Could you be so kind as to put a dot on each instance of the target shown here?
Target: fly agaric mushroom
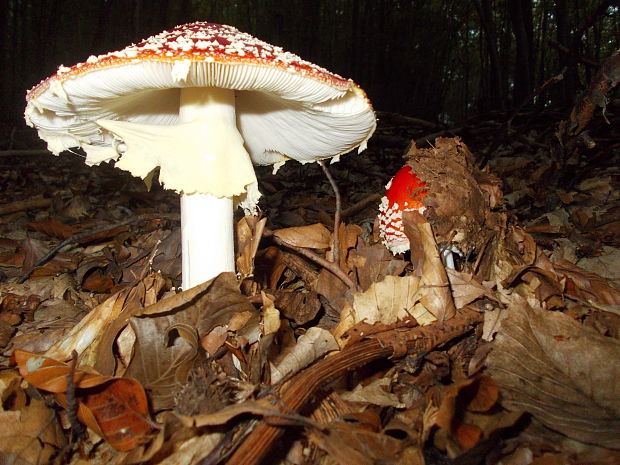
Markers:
(203, 102)
(404, 192)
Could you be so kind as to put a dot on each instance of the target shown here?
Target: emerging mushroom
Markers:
(404, 192)
(203, 102)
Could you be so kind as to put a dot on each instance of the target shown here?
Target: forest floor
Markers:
(514, 357)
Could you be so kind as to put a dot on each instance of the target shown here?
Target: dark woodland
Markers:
(492, 337)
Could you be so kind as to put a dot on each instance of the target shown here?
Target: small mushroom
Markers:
(203, 102)
(404, 192)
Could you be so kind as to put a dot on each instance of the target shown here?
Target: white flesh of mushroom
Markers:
(206, 132)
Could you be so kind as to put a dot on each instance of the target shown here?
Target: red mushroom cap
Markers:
(404, 192)
(199, 41)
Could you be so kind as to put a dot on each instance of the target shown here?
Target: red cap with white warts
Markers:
(403, 193)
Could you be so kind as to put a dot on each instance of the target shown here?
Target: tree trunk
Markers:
(520, 12)
(496, 87)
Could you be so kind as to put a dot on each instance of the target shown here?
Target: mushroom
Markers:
(404, 192)
(202, 102)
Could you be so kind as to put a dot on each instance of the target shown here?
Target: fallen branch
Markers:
(22, 205)
(358, 206)
(300, 390)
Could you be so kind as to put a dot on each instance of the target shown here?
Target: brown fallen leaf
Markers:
(93, 330)
(30, 434)
(347, 443)
(168, 334)
(314, 236)
(560, 371)
(372, 262)
(466, 288)
(115, 408)
(53, 228)
(261, 407)
(315, 343)
(393, 299)
(249, 233)
(586, 285)
(437, 296)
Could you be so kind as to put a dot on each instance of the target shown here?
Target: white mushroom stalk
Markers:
(199, 212)
(202, 102)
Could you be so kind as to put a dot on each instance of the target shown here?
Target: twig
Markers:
(300, 390)
(77, 429)
(552, 80)
(353, 209)
(83, 235)
(334, 268)
(149, 262)
(21, 205)
(336, 241)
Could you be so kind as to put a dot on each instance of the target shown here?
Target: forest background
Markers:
(440, 60)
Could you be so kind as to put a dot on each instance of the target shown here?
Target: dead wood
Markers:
(22, 205)
(296, 393)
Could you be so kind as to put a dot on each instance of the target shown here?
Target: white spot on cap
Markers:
(180, 70)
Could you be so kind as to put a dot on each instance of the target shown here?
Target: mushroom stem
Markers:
(206, 238)
(207, 221)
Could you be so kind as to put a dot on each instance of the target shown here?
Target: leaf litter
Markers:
(512, 356)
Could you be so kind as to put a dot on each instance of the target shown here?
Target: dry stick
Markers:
(331, 267)
(358, 206)
(72, 405)
(534, 93)
(336, 242)
(299, 391)
(83, 235)
(149, 262)
(21, 205)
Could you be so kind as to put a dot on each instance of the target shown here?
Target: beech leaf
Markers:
(561, 372)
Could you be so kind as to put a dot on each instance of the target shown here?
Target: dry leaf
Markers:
(377, 392)
(53, 228)
(466, 289)
(393, 299)
(255, 407)
(314, 236)
(437, 297)
(91, 330)
(115, 408)
(312, 345)
(30, 435)
(561, 372)
(249, 233)
(348, 444)
(586, 285)
(168, 334)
